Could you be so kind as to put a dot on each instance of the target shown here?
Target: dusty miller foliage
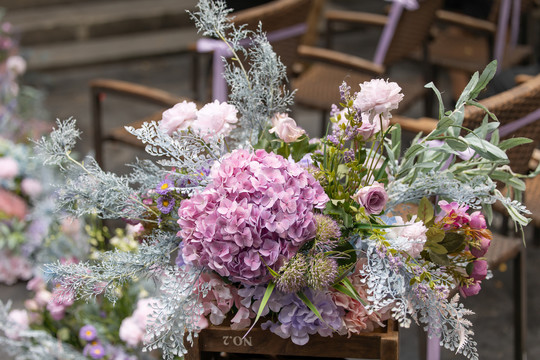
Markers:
(32, 344)
(389, 287)
(258, 88)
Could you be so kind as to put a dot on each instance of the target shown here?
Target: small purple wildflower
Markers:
(348, 156)
(96, 351)
(87, 333)
(164, 187)
(334, 110)
(344, 92)
(165, 204)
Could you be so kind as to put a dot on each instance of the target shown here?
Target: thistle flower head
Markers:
(328, 232)
(293, 275)
(322, 272)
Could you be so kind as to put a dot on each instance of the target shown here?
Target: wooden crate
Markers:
(381, 344)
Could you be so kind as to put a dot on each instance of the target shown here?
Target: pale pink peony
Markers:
(368, 129)
(143, 311)
(373, 198)
(378, 97)
(179, 117)
(31, 187)
(215, 119)
(9, 168)
(410, 237)
(285, 128)
(20, 321)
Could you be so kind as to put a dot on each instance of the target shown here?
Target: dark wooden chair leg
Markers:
(96, 110)
(536, 236)
(520, 306)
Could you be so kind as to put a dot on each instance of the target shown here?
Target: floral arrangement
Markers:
(328, 236)
(62, 327)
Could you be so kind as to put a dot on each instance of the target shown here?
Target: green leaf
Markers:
(466, 94)
(453, 242)
(439, 259)
(312, 307)
(413, 150)
(486, 76)
(439, 98)
(457, 144)
(435, 235)
(264, 301)
(425, 210)
(486, 149)
(350, 254)
(436, 248)
(513, 142)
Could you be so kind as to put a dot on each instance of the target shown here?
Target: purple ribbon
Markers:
(221, 50)
(388, 32)
(516, 14)
(515, 125)
(500, 37)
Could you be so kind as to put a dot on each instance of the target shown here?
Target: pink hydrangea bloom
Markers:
(179, 117)
(378, 97)
(215, 119)
(31, 187)
(257, 211)
(285, 128)
(373, 198)
(9, 168)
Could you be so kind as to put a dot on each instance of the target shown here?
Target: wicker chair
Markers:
(403, 31)
(509, 106)
(274, 15)
(467, 44)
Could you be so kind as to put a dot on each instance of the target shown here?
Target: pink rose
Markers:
(31, 187)
(378, 97)
(286, 128)
(9, 168)
(483, 246)
(480, 268)
(20, 322)
(215, 119)
(179, 117)
(470, 290)
(12, 205)
(16, 64)
(143, 311)
(373, 198)
(477, 221)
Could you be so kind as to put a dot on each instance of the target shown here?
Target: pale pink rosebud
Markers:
(373, 198)
(179, 117)
(9, 168)
(285, 128)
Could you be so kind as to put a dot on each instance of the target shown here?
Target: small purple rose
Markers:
(373, 198)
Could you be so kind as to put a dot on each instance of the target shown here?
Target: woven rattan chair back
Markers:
(412, 30)
(282, 15)
(510, 106)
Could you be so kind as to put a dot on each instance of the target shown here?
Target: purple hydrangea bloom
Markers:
(165, 204)
(164, 187)
(297, 321)
(87, 333)
(258, 205)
